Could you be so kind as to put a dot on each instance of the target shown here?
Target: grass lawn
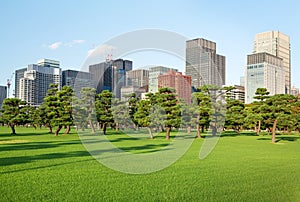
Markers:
(36, 166)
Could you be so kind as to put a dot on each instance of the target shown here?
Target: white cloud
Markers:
(55, 45)
(103, 50)
(74, 42)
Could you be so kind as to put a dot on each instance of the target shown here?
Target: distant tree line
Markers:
(161, 111)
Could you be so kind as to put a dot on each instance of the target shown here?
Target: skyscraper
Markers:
(33, 85)
(77, 80)
(110, 75)
(3, 94)
(264, 70)
(181, 83)
(203, 64)
(278, 44)
(154, 72)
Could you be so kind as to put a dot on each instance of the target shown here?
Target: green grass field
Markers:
(36, 166)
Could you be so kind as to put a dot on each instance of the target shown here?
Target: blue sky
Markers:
(67, 30)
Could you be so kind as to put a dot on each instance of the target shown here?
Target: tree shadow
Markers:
(278, 138)
(6, 161)
(37, 145)
(234, 134)
(148, 148)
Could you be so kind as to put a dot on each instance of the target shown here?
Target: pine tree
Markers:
(104, 109)
(12, 113)
(167, 99)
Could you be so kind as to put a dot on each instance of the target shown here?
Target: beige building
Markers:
(278, 44)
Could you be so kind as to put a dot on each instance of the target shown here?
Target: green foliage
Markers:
(12, 113)
(104, 109)
(235, 114)
(167, 99)
(121, 114)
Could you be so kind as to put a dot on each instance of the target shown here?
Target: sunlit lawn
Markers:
(36, 166)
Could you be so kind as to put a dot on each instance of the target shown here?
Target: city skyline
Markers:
(69, 39)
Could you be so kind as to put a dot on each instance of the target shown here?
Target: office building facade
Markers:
(3, 94)
(264, 71)
(77, 80)
(238, 93)
(203, 64)
(181, 83)
(138, 77)
(33, 85)
(154, 72)
(110, 75)
(277, 44)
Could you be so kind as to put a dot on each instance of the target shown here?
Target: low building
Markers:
(238, 93)
(127, 90)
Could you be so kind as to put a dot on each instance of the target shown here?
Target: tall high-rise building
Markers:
(181, 83)
(278, 44)
(264, 70)
(154, 72)
(19, 74)
(77, 80)
(110, 75)
(48, 63)
(33, 85)
(138, 78)
(3, 94)
(203, 64)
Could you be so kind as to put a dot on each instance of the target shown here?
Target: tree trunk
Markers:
(202, 129)
(104, 128)
(150, 132)
(57, 130)
(274, 132)
(258, 128)
(198, 131)
(189, 129)
(92, 126)
(168, 133)
(117, 126)
(50, 129)
(68, 129)
(13, 130)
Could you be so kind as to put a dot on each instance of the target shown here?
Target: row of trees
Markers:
(162, 111)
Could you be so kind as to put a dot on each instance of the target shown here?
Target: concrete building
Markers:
(110, 75)
(277, 44)
(181, 83)
(3, 94)
(77, 80)
(203, 64)
(33, 85)
(154, 72)
(294, 91)
(238, 93)
(19, 74)
(138, 77)
(126, 90)
(264, 70)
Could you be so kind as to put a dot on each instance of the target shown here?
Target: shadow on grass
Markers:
(278, 138)
(234, 134)
(148, 148)
(37, 145)
(6, 161)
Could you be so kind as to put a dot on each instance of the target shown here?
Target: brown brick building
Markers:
(181, 83)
